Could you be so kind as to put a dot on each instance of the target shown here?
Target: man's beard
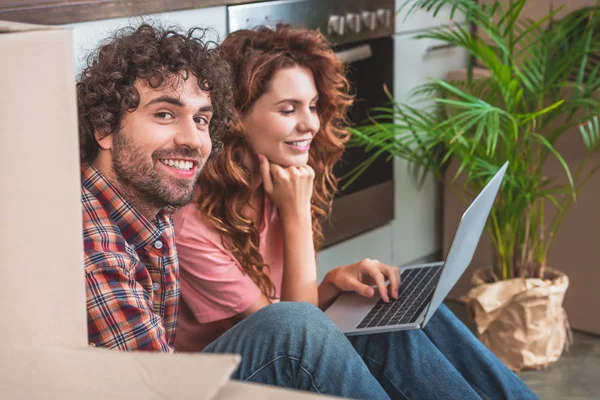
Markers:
(143, 183)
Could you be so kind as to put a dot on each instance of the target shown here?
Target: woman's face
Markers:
(284, 120)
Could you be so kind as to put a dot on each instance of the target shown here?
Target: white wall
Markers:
(87, 35)
(375, 244)
(416, 228)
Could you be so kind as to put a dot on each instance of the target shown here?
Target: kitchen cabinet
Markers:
(422, 19)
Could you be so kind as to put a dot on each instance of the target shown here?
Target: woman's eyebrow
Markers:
(295, 101)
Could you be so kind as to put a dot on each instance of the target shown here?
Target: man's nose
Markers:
(189, 135)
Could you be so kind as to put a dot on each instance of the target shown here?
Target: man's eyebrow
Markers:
(165, 99)
(177, 102)
(207, 108)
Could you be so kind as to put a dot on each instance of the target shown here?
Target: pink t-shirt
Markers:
(213, 285)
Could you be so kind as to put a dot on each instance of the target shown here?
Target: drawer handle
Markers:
(433, 49)
(355, 54)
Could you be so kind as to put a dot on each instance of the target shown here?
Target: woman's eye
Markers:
(201, 120)
(163, 115)
(313, 109)
(287, 112)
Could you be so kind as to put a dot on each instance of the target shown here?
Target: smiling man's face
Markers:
(162, 146)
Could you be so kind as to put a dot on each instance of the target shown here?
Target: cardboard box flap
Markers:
(56, 373)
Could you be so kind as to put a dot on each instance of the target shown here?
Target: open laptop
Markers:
(423, 287)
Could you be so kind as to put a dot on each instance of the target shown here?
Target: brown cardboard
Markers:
(40, 206)
(43, 340)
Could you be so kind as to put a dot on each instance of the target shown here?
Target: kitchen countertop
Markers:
(57, 12)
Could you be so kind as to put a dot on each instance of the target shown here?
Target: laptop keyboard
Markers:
(416, 288)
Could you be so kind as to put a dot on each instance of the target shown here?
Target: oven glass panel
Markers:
(367, 78)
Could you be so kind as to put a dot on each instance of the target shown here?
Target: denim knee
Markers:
(295, 312)
(302, 321)
(296, 315)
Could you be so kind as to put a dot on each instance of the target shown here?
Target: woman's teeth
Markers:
(182, 165)
(300, 143)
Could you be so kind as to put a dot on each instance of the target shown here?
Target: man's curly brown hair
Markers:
(105, 90)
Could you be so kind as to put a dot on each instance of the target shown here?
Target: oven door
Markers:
(369, 201)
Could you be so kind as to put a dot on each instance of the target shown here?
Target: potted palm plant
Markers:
(529, 85)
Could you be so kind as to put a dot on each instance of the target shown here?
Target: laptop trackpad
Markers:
(349, 309)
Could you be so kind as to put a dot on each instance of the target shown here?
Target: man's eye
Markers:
(164, 115)
(201, 120)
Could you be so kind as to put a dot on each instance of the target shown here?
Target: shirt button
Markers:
(158, 244)
(156, 286)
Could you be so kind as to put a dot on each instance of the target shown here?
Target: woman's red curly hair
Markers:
(255, 56)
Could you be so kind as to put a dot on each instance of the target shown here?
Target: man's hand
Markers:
(289, 188)
(360, 276)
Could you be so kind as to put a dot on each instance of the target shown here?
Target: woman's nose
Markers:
(310, 123)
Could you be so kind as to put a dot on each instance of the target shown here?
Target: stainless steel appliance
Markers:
(362, 34)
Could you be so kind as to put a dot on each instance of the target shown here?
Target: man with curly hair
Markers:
(152, 103)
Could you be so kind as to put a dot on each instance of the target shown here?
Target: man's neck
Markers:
(129, 194)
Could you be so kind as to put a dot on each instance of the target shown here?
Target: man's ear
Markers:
(104, 138)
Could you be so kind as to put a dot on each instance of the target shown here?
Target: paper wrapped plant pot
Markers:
(521, 320)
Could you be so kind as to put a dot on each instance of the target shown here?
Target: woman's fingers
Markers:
(265, 171)
(371, 268)
(361, 288)
(379, 272)
(393, 275)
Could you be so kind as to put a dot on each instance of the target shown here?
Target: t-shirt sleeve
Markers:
(212, 283)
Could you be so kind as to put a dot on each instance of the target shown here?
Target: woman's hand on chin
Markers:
(289, 188)
(359, 277)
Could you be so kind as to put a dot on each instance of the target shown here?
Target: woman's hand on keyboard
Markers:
(361, 276)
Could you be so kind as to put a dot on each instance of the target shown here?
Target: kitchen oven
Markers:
(362, 34)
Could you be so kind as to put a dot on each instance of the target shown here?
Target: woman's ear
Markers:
(104, 138)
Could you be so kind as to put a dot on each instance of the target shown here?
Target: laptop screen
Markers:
(465, 241)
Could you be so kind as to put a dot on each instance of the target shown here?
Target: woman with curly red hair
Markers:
(249, 240)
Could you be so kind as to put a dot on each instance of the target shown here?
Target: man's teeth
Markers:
(301, 143)
(182, 165)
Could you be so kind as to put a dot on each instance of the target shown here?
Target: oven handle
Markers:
(432, 49)
(355, 54)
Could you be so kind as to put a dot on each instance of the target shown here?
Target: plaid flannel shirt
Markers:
(131, 270)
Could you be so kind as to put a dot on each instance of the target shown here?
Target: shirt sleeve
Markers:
(213, 285)
(120, 313)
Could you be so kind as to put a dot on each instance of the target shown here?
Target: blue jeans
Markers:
(295, 345)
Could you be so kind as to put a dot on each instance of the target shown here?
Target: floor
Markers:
(576, 376)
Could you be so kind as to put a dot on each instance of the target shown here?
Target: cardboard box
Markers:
(43, 340)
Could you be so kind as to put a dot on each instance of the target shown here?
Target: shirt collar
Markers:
(137, 230)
